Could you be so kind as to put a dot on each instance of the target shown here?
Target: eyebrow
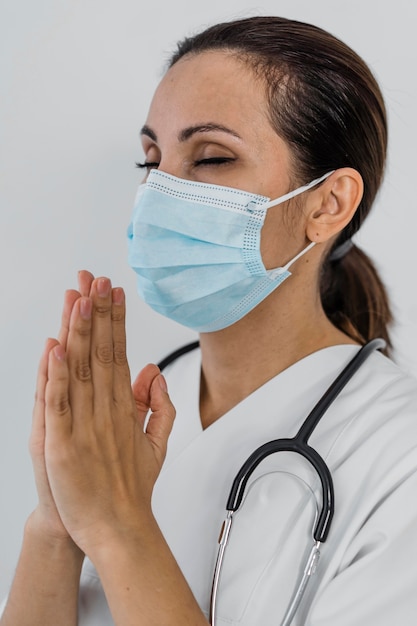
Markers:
(145, 130)
(188, 132)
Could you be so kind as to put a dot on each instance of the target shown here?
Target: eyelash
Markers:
(210, 161)
(146, 165)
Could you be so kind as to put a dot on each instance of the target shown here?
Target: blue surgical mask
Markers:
(196, 250)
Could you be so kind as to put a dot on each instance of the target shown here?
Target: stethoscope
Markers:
(298, 444)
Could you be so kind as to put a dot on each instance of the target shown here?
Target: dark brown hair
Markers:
(326, 104)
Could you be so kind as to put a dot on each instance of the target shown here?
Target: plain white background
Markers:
(76, 78)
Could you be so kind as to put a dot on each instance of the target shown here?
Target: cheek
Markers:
(280, 240)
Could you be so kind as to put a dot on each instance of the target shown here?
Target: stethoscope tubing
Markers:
(299, 444)
(287, 445)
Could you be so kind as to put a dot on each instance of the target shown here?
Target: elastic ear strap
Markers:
(300, 254)
(296, 192)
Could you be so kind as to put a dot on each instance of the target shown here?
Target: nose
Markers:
(175, 167)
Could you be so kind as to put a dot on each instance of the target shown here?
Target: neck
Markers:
(241, 358)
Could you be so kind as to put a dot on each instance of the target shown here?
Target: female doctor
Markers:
(247, 113)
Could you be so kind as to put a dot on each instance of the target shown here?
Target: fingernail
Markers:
(103, 287)
(118, 295)
(163, 383)
(59, 353)
(86, 307)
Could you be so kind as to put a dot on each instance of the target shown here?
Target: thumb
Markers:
(141, 389)
(37, 437)
(162, 416)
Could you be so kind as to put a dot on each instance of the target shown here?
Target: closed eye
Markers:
(214, 161)
(208, 161)
(147, 165)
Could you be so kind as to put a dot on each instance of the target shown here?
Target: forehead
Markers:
(213, 85)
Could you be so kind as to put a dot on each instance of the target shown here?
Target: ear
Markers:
(331, 207)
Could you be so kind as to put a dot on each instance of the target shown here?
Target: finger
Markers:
(142, 390)
(121, 372)
(58, 421)
(37, 437)
(70, 297)
(102, 345)
(85, 280)
(162, 416)
(78, 358)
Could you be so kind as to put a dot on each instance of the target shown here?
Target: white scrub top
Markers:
(367, 573)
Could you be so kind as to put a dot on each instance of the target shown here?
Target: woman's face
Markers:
(208, 122)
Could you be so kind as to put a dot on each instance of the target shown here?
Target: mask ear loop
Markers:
(296, 192)
(285, 268)
(280, 270)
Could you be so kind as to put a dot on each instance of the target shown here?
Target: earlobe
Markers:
(334, 204)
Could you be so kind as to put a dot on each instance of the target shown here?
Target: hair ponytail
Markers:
(354, 297)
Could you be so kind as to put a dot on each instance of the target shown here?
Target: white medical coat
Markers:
(367, 573)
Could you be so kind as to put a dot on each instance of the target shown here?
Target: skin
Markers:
(94, 466)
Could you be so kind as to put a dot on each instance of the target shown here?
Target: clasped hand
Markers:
(95, 466)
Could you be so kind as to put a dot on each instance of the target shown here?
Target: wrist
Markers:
(38, 529)
(140, 576)
(120, 541)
